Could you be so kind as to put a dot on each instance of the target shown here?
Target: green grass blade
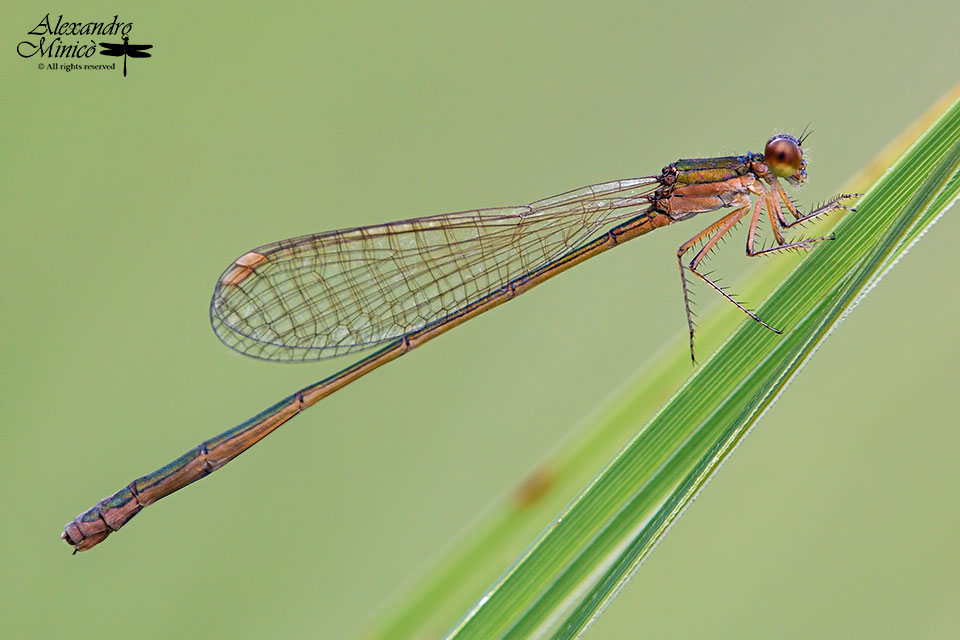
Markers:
(935, 194)
(628, 507)
(581, 561)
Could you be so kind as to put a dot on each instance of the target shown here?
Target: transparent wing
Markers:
(333, 293)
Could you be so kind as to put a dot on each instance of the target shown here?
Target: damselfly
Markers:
(397, 285)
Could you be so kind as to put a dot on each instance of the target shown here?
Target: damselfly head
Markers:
(784, 156)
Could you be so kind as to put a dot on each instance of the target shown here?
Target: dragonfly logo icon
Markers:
(126, 50)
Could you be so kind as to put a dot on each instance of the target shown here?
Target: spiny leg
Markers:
(774, 213)
(773, 210)
(782, 195)
(683, 279)
(718, 229)
(754, 222)
(709, 245)
(714, 232)
(801, 244)
(830, 205)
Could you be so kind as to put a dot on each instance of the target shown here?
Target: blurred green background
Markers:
(124, 198)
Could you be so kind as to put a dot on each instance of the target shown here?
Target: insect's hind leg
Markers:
(713, 233)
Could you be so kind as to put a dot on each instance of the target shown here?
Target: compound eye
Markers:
(783, 155)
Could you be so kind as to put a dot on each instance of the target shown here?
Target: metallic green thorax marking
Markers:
(704, 170)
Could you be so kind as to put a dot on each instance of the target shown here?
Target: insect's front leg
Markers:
(830, 205)
(772, 204)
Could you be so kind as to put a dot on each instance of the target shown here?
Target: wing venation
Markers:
(333, 293)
